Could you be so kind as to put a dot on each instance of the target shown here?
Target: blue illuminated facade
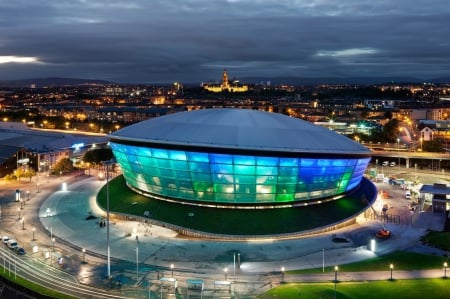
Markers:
(235, 178)
(237, 157)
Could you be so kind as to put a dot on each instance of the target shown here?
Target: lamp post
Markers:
(282, 274)
(23, 223)
(171, 268)
(53, 249)
(84, 255)
(107, 164)
(33, 229)
(421, 140)
(398, 152)
(225, 270)
(18, 210)
(391, 267)
(336, 268)
(137, 261)
(445, 269)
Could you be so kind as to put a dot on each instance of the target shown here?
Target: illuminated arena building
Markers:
(238, 158)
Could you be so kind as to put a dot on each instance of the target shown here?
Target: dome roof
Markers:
(241, 129)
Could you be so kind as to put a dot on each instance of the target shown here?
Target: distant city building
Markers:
(226, 85)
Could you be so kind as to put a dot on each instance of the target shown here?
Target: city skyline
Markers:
(193, 41)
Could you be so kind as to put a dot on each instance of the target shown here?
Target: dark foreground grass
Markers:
(38, 289)
(438, 239)
(395, 289)
(233, 221)
(402, 260)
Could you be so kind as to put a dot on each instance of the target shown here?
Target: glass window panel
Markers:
(267, 161)
(162, 163)
(244, 160)
(160, 153)
(180, 165)
(222, 168)
(199, 167)
(267, 170)
(198, 157)
(289, 162)
(177, 155)
(244, 169)
(221, 159)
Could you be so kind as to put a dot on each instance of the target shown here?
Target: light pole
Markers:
(53, 249)
(137, 261)
(171, 268)
(18, 210)
(421, 141)
(84, 255)
(445, 269)
(23, 223)
(33, 229)
(107, 164)
(336, 268)
(225, 270)
(398, 152)
(391, 267)
(282, 274)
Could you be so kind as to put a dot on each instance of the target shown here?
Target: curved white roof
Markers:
(239, 129)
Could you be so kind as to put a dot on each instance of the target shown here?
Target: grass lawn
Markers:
(33, 286)
(233, 221)
(396, 289)
(438, 239)
(402, 260)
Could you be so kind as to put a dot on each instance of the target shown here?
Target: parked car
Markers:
(12, 244)
(5, 239)
(20, 251)
(385, 163)
(408, 194)
(392, 164)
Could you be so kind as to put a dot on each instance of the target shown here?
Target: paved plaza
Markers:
(65, 209)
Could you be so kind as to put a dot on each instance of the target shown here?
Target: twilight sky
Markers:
(154, 41)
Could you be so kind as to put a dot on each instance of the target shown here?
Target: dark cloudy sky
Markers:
(194, 40)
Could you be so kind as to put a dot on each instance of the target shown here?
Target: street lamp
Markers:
(336, 268)
(398, 152)
(33, 229)
(23, 223)
(445, 269)
(137, 261)
(84, 255)
(421, 140)
(53, 249)
(391, 267)
(18, 210)
(171, 268)
(107, 164)
(225, 270)
(282, 274)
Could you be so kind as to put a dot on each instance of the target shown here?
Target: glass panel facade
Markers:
(223, 178)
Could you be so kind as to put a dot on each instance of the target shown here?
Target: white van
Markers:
(12, 244)
(385, 163)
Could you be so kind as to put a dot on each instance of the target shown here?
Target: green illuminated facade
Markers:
(195, 176)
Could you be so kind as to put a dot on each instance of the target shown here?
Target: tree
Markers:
(435, 145)
(63, 166)
(98, 155)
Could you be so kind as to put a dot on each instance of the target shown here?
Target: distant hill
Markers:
(331, 80)
(49, 82)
